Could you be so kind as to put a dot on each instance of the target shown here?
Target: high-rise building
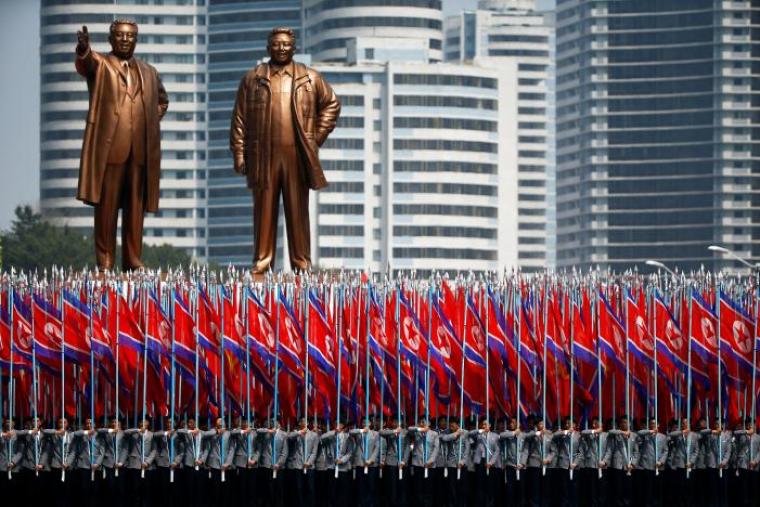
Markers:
(331, 24)
(657, 132)
(237, 39)
(511, 36)
(172, 38)
(419, 177)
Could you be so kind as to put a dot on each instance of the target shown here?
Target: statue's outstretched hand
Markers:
(83, 39)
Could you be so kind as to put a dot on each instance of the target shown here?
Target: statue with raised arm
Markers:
(283, 113)
(121, 151)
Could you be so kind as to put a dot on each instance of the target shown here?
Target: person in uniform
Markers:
(718, 455)
(564, 455)
(140, 462)
(684, 447)
(649, 456)
(740, 482)
(618, 460)
(59, 442)
(110, 460)
(457, 443)
(487, 460)
(242, 442)
(512, 440)
(190, 442)
(272, 458)
(367, 444)
(303, 456)
(590, 478)
(394, 480)
(217, 456)
(424, 447)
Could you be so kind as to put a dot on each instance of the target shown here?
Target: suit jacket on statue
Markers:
(106, 82)
(316, 111)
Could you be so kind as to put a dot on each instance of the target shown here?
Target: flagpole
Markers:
(275, 406)
(656, 393)
(600, 394)
(146, 316)
(63, 382)
(398, 378)
(572, 372)
(518, 323)
(117, 289)
(688, 359)
(339, 340)
(720, 368)
(35, 384)
(93, 389)
(223, 296)
(172, 315)
(627, 375)
(195, 288)
(754, 365)
(427, 370)
(543, 390)
(10, 366)
(366, 375)
(461, 389)
(307, 291)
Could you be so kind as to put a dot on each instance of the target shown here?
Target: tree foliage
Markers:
(33, 243)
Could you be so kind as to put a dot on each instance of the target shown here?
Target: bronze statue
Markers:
(283, 113)
(121, 151)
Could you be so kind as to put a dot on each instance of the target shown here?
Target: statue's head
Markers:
(123, 38)
(281, 45)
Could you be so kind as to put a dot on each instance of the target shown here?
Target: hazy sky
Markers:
(20, 95)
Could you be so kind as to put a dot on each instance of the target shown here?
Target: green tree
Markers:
(33, 243)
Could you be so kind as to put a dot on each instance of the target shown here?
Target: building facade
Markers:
(172, 37)
(511, 36)
(657, 132)
(331, 24)
(419, 175)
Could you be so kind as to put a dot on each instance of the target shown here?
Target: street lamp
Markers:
(659, 265)
(726, 251)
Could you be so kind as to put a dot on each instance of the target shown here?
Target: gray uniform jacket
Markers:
(190, 446)
(218, 452)
(343, 446)
(486, 449)
(645, 455)
(534, 447)
(424, 448)
(12, 451)
(34, 450)
(590, 448)
(719, 445)
(270, 443)
(458, 452)
(59, 448)
(618, 453)
(325, 453)
(367, 448)
(683, 449)
(163, 443)
(560, 449)
(85, 449)
(114, 448)
(511, 447)
(242, 445)
(741, 450)
(303, 449)
(141, 449)
(391, 447)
